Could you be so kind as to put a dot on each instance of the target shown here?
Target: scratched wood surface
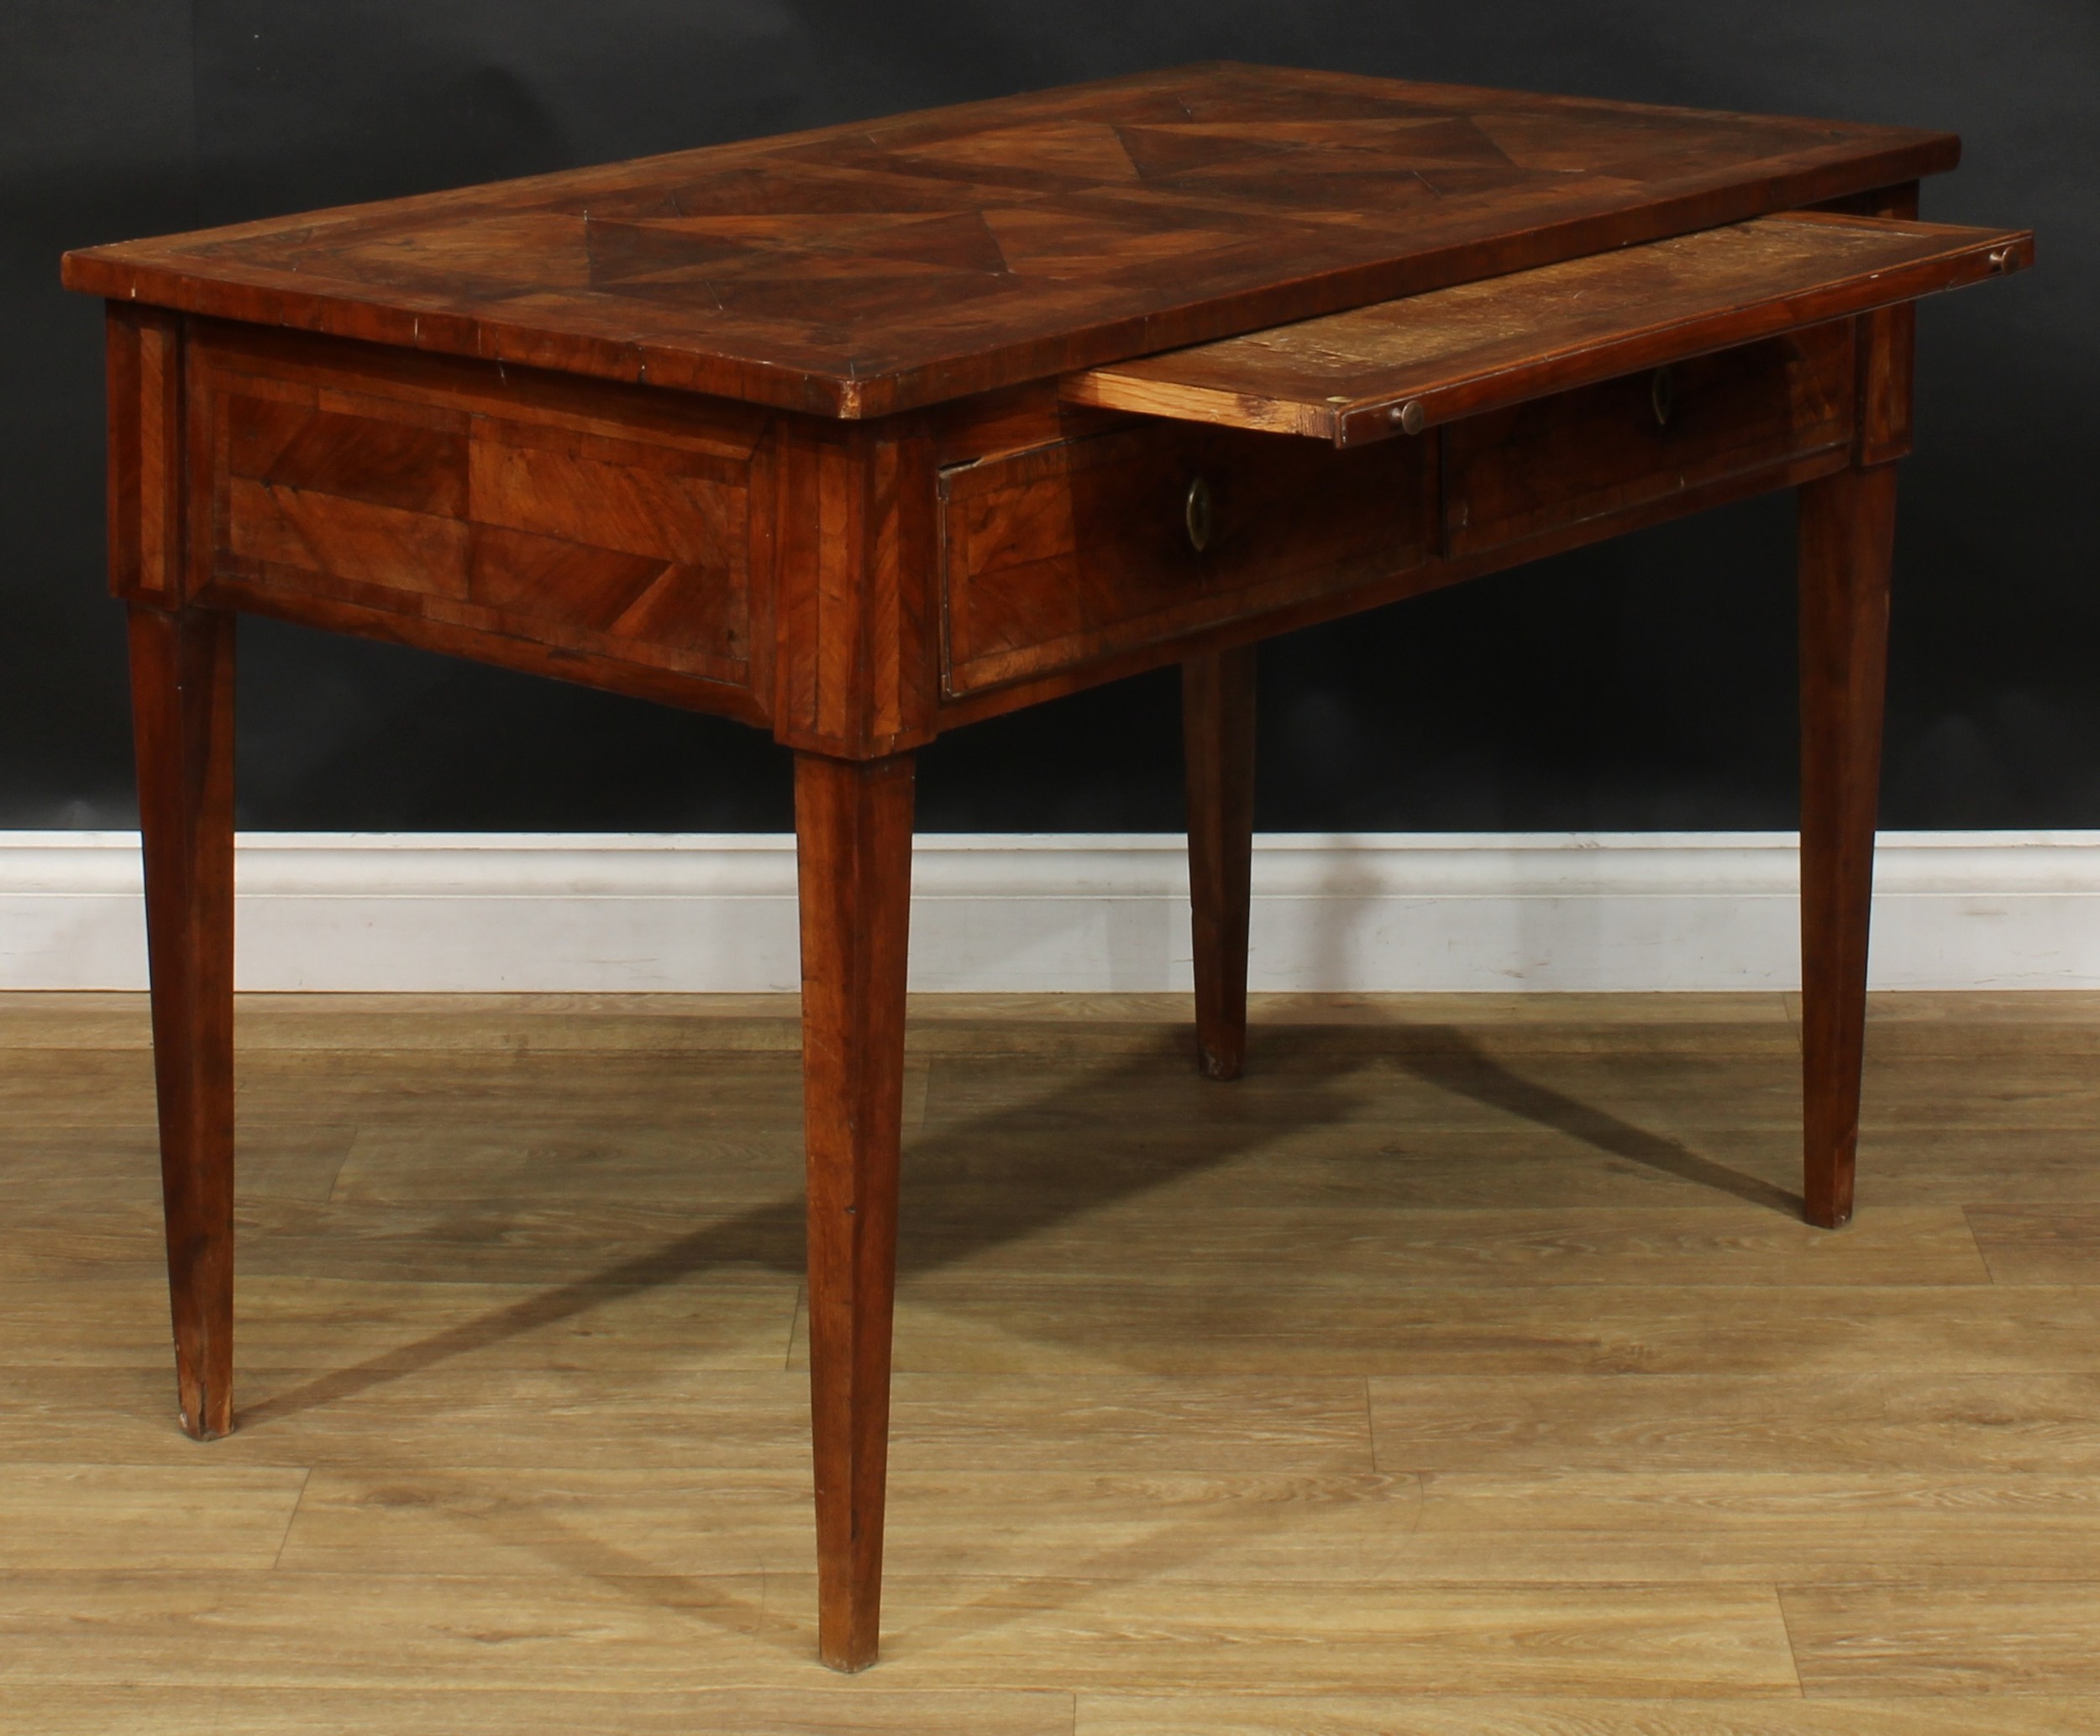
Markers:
(1352, 377)
(1464, 1370)
(869, 268)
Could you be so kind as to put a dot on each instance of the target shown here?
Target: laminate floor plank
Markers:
(1578, 1640)
(1881, 1423)
(388, 1416)
(562, 1416)
(719, 1319)
(1288, 1714)
(204, 1630)
(1228, 1529)
(1947, 1638)
(1043, 1176)
(2031, 1244)
(1041, 1173)
(1628, 1528)
(857, 1709)
(2061, 1021)
(532, 1242)
(1701, 1245)
(284, 1628)
(46, 1241)
(954, 1321)
(169, 1516)
(425, 1088)
(1860, 1528)
(1473, 1089)
(97, 1165)
(1427, 1090)
(2032, 1166)
(563, 1160)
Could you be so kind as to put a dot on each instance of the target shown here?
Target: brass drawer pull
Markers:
(1662, 397)
(1195, 513)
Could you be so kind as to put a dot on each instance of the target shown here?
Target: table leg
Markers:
(853, 822)
(1217, 728)
(1847, 534)
(182, 717)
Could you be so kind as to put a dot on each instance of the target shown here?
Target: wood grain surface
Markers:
(870, 268)
(1071, 552)
(506, 507)
(1463, 1369)
(1518, 475)
(1847, 530)
(182, 724)
(1217, 749)
(853, 829)
(1397, 367)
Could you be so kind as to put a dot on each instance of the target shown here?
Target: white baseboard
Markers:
(483, 912)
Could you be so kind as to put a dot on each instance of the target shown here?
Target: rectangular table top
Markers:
(862, 269)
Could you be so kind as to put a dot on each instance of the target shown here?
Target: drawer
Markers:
(1595, 390)
(1512, 476)
(498, 501)
(1055, 557)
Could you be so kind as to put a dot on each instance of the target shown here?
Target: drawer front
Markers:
(1558, 462)
(1059, 556)
(612, 522)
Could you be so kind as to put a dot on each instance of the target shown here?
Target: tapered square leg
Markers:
(182, 717)
(1847, 535)
(853, 823)
(1217, 729)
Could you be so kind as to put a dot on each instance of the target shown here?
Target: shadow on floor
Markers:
(1325, 1066)
(943, 1179)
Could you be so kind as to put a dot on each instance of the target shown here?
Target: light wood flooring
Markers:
(1463, 1369)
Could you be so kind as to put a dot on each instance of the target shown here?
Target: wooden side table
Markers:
(864, 434)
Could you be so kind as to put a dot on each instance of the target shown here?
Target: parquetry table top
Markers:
(865, 268)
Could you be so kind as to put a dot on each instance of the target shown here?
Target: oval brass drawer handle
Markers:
(1195, 513)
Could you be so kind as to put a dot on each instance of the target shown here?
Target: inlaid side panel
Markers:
(593, 521)
(1090, 548)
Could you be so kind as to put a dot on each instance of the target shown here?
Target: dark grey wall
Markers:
(1646, 684)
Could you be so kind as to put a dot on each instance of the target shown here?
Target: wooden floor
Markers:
(1463, 1369)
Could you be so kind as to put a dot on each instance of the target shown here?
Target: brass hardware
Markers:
(1409, 416)
(1195, 513)
(1999, 259)
(1663, 395)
